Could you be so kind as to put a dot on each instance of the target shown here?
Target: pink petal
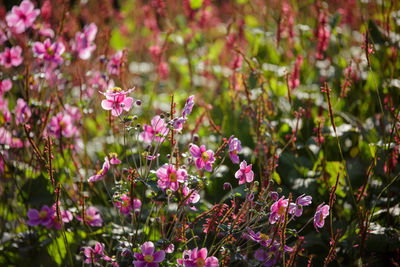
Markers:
(128, 103)
(147, 248)
(195, 151)
(107, 104)
(159, 256)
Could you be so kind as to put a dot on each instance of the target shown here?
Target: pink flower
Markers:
(187, 109)
(123, 202)
(244, 174)
(43, 217)
(278, 210)
(11, 57)
(204, 159)
(195, 257)
(51, 52)
(65, 217)
(193, 198)
(3, 37)
(93, 255)
(62, 125)
(22, 112)
(156, 132)
(115, 63)
(169, 178)
(92, 217)
(22, 17)
(83, 44)
(294, 80)
(147, 257)
(301, 201)
(321, 213)
(113, 158)
(44, 29)
(101, 173)
(5, 86)
(117, 101)
(235, 146)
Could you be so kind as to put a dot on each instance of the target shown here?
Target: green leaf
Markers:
(196, 4)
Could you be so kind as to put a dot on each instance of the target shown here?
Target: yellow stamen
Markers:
(205, 156)
(148, 258)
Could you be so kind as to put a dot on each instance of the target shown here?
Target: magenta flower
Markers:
(187, 109)
(92, 217)
(260, 238)
(83, 44)
(62, 125)
(278, 210)
(244, 174)
(11, 57)
(204, 159)
(123, 202)
(114, 158)
(22, 112)
(195, 258)
(147, 257)
(94, 254)
(156, 132)
(169, 178)
(22, 17)
(115, 63)
(51, 52)
(117, 101)
(235, 146)
(5, 86)
(43, 217)
(301, 201)
(320, 214)
(101, 173)
(65, 217)
(193, 198)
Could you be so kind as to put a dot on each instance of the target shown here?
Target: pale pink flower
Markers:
(11, 57)
(114, 64)
(147, 257)
(21, 17)
(92, 217)
(195, 257)
(244, 174)
(320, 214)
(101, 173)
(5, 86)
(94, 254)
(278, 210)
(203, 158)
(83, 44)
(235, 146)
(156, 132)
(51, 52)
(169, 178)
(117, 101)
(22, 112)
(123, 202)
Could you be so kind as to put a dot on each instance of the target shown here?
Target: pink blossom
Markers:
(62, 125)
(22, 112)
(235, 146)
(3, 37)
(147, 257)
(278, 210)
(6, 138)
(5, 86)
(301, 201)
(4, 108)
(21, 17)
(92, 217)
(204, 159)
(101, 173)
(320, 214)
(114, 64)
(193, 198)
(44, 29)
(11, 57)
(117, 101)
(83, 44)
(294, 80)
(65, 216)
(51, 52)
(43, 217)
(156, 132)
(244, 174)
(163, 70)
(123, 202)
(187, 109)
(94, 254)
(113, 159)
(169, 178)
(195, 257)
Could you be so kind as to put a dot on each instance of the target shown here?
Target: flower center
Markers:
(89, 218)
(100, 172)
(200, 262)
(117, 89)
(113, 155)
(234, 152)
(281, 210)
(148, 258)
(43, 214)
(50, 51)
(172, 177)
(264, 237)
(205, 156)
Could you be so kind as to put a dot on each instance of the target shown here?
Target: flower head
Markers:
(197, 258)
(320, 214)
(21, 17)
(244, 174)
(115, 63)
(101, 173)
(5, 86)
(50, 52)
(147, 257)
(43, 217)
(11, 57)
(124, 203)
(278, 209)
(83, 44)
(235, 146)
(117, 101)
(92, 217)
(301, 201)
(94, 254)
(156, 132)
(169, 178)
(203, 158)
(22, 112)
(114, 158)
